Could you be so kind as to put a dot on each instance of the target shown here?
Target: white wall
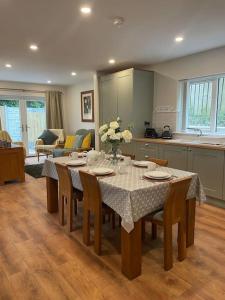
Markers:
(166, 89)
(72, 107)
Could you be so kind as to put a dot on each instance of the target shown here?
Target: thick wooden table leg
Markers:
(52, 194)
(190, 210)
(131, 251)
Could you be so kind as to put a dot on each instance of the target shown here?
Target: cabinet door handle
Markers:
(146, 156)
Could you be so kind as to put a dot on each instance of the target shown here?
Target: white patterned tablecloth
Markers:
(128, 194)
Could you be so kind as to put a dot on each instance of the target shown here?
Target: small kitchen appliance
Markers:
(167, 133)
(150, 132)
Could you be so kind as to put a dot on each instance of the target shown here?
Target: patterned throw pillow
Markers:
(70, 141)
(86, 141)
(48, 137)
(78, 141)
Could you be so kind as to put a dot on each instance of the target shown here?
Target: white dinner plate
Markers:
(157, 175)
(141, 163)
(102, 171)
(75, 163)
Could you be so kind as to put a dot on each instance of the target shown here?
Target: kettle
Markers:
(93, 155)
(167, 133)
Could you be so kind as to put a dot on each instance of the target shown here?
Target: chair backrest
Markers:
(65, 181)
(60, 134)
(91, 191)
(174, 207)
(4, 136)
(132, 156)
(160, 162)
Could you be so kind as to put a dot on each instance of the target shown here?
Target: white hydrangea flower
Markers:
(127, 136)
(114, 125)
(110, 132)
(115, 137)
(103, 128)
(104, 137)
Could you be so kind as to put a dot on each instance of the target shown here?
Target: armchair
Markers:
(41, 148)
(4, 135)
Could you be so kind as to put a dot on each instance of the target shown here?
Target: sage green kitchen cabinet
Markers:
(127, 94)
(109, 95)
(177, 156)
(209, 165)
(144, 151)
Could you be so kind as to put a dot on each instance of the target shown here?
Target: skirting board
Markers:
(215, 202)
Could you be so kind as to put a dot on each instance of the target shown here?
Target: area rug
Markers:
(34, 170)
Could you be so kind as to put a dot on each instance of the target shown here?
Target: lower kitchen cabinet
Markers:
(177, 156)
(143, 151)
(209, 164)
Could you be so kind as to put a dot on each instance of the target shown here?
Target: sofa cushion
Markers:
(60, 152)
(48, 137)
(78, 141)
(70, 141)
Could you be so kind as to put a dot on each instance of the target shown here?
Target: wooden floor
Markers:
(39, 261)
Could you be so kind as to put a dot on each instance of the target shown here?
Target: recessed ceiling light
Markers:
(49, 81)
(86, 10)
(33, 47)
(118, 21)
(8, 65)
(112, 61)
(179, 39)
(73, 73)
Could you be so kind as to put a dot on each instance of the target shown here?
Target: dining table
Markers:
(132, 196)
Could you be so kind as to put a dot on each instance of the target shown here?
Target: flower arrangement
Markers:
(112, 134)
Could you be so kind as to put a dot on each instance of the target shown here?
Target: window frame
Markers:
(214, 104)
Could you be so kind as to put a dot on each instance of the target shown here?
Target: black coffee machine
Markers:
(150, 132)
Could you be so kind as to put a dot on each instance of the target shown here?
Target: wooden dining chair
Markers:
(174, 212)
(132, 156)
(67, 195)
(92, 203)
(160, 162)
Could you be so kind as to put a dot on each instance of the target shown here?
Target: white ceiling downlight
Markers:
(73, 73)
(7, 65)
(179, 39)
(86, 10)
(112, 61)
(33, 47)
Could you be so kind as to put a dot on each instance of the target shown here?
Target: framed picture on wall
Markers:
(87, 106)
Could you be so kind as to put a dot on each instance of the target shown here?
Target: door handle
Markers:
(27, 127)
(22, 128)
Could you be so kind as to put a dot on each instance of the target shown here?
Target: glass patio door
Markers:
(34, 122)
(24, 118)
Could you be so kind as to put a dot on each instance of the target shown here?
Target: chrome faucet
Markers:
(196, 130)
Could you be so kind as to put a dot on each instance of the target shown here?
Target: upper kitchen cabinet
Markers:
(129, 95)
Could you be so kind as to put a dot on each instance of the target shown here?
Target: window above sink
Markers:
(204, 105)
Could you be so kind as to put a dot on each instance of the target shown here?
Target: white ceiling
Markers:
(69, 41)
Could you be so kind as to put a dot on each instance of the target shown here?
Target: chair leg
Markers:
(69, 215)
(86, 226)
(61, 210)
(143, 229)
(75, 206)
(113, 220)
(103, 219)
(120, 220)
(154, 231)
(97, 233)
(182, 252)
(168, 247)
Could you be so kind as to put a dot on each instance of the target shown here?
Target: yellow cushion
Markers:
(86, 141)
(70, 140)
